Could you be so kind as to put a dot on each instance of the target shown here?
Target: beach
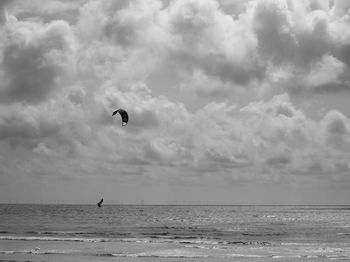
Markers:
(174, 233)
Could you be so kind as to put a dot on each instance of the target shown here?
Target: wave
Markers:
(265, 234)
(255, 243)
(55, 232)
(70, 239)
(170, 253)
(298, 244)
(177, 240)
(175, 253)
(155, 254)
(186, 235)
(290, 256)
(35, 252)
(139, 232)
(137, 240)
(244, 256)
(159, 256)
(77, 234)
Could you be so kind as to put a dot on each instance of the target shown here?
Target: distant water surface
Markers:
(211, 233)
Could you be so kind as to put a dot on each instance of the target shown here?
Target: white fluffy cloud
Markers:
(36, 59)
(225, 91)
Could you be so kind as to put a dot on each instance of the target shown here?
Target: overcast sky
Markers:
(230, 101)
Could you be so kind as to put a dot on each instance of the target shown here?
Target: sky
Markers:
(229, 101)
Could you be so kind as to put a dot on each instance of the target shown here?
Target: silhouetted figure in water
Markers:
(99, 203)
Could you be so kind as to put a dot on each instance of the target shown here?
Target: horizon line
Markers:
(159, 204)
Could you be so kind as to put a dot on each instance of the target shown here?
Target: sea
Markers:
(173, 233)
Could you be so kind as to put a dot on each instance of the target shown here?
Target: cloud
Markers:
(279, 106)
(25, 126)
(272, 25)
(3, 11)
(218, 160)
(340, 7)
(279, 160)
(287, 137)
(248, 91)
(336, 126)
(213, 41)
(36, 60)
(335, 123)
(142, 105)
(289, 32)
(302, 40)
(341, 167)
(47, 11)
(320, 79)
(189, 38)
(55, 128)
(137, 24)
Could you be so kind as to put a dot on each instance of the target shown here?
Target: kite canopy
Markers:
(123, 114)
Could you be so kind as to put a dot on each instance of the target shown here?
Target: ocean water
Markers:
(174, 233)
